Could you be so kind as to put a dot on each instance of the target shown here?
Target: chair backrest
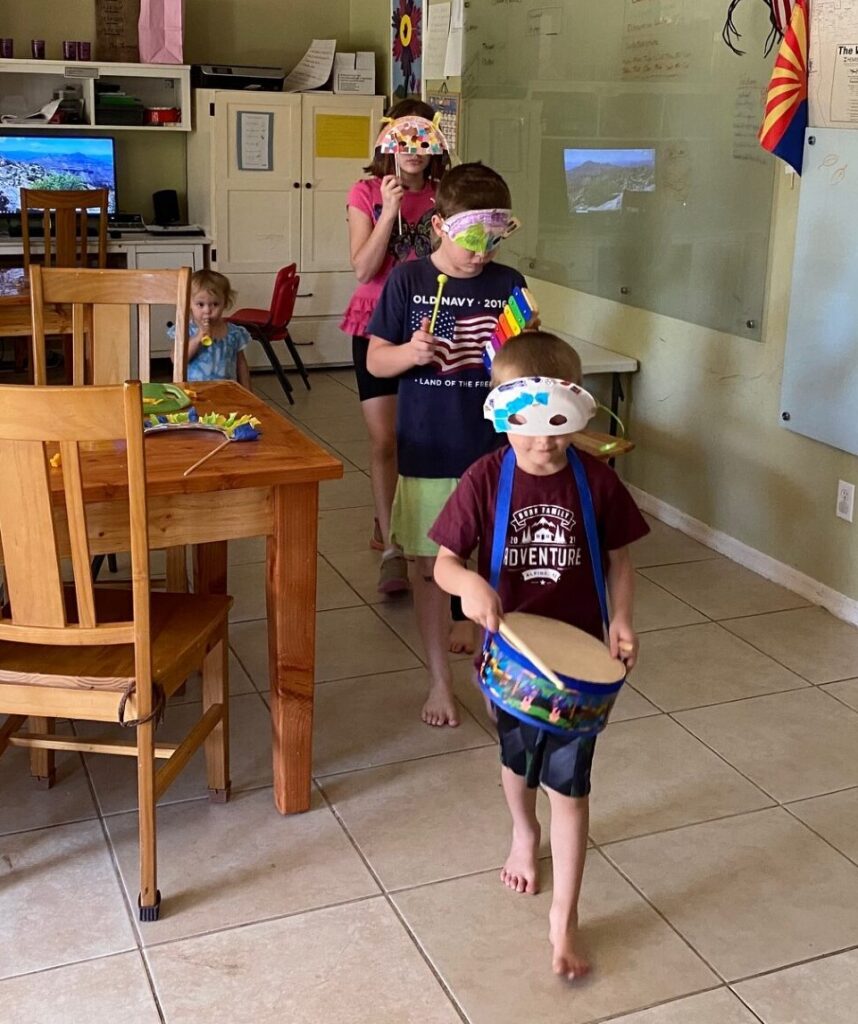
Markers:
(65, 221)
(102, 301)
(283, 297)
(34, 539)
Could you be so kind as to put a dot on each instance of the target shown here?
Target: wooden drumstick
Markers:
(442, 280)
(207, 456)
(527, 651)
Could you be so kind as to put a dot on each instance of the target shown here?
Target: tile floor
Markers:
(722, 886)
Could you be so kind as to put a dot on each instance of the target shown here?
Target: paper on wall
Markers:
(314, 69)
(455, 40)
(435, 43)
(831, 85)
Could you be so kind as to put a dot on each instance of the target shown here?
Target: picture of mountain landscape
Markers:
(54, 163)
(597, 179)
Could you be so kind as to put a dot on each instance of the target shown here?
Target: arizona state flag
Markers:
(782, 131)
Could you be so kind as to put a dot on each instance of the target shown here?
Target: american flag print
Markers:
(461, 340)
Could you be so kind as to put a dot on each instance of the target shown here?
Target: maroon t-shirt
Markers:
(546, 567)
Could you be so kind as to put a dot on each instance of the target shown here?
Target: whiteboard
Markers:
(628, 134)
(819, 396)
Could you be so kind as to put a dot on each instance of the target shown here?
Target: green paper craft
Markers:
(165, 398)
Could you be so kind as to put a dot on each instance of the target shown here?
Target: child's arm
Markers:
(480, 602)
(621, 592)
(385, 359)
(242, 371)
(367, 241)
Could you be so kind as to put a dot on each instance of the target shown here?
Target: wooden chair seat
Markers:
(182, 631)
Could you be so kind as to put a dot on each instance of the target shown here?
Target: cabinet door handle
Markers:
(304, 295)
(308, 184)
(296, 184)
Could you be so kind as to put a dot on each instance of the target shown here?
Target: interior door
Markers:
(338, 138)
(256, 167)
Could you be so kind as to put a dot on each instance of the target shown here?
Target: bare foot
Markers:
(521, 871)
(462, 638)
(566, 961)
(440, 707)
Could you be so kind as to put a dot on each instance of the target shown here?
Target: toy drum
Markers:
(591, 678)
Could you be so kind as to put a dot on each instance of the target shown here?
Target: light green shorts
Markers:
(416, 505)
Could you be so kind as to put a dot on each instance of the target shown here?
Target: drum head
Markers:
(567, 650)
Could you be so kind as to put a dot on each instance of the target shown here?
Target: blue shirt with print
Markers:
(440, 427)
(218, 360)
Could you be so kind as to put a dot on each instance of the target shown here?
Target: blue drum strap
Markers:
(502, 507)
(586, 499)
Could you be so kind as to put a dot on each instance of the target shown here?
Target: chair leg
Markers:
(262, 338)
(149, 901)
(299, 362)
(42, 766)
(112, 564)
(95, 567)
(216, 691)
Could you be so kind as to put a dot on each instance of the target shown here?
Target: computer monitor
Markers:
(597, 179)
(48, 161)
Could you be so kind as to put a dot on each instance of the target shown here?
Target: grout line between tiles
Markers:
(392, 905)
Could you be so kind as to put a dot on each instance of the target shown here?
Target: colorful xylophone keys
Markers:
(518, 313)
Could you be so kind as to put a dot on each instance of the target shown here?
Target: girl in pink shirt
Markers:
(376, 205)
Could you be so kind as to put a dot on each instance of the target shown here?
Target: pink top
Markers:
(413, 241)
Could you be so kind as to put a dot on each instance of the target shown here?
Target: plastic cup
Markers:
(7, 48)
(84, 50)
(69, 49)
(37, 47)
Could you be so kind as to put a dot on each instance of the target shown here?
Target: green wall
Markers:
(706, 419)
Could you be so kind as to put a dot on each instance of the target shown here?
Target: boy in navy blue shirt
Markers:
(440, 425)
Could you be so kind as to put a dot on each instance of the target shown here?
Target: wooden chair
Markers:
(602, 446)
(102, 301)
(267, 325)
(65, 222)
(76, 651)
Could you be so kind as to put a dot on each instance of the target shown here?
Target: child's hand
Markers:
(391, 194)
(422, 344)
(624, 643)
(481, 603)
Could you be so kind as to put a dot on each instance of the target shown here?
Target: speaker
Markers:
(166, 206)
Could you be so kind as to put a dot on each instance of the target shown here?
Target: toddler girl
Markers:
(215, 347)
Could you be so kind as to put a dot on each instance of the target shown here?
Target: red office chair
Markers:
(267, 325)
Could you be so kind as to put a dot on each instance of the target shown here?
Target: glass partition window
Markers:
(627, 132)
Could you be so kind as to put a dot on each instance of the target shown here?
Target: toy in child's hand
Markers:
(442, 280)
(519, 313)
(411, 136)
(207, 341)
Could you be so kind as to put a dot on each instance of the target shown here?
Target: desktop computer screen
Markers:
(54, 162)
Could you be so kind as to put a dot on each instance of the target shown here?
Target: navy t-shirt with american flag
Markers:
(440, 428)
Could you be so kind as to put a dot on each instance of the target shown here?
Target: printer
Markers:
(236, 76)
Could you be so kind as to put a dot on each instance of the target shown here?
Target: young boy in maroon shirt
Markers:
(547, 571)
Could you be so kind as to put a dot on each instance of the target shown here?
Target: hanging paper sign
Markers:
(406, 48)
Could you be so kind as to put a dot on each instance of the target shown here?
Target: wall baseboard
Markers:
(838, 604)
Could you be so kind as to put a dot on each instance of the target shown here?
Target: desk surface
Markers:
(136, 239)
(594, 358)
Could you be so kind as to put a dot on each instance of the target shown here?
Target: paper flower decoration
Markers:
(232, 426)
(407, 48)
(412, 136)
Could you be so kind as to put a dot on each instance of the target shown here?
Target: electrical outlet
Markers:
(845, 500)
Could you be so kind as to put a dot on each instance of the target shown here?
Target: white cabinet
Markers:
(160, 316)
(268, 175)
(27, 85)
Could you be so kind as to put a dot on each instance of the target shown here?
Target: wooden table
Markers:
(267, 487)
(15, 307)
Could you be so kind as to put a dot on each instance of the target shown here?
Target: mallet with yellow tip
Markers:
(442, 280)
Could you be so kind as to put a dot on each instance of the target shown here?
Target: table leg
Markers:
(291, 599)
(210, 568)
(617, 396)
